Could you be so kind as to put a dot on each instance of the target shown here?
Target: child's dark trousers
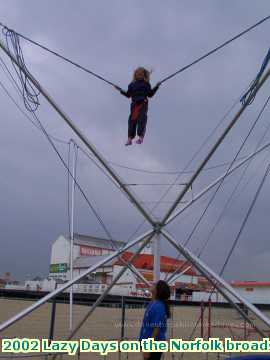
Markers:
(138, 119)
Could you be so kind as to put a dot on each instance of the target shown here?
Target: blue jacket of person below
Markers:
(154, 316)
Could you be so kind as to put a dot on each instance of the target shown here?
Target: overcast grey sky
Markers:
(112, 38)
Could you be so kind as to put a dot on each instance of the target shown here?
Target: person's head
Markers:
(141, 74)
(161, 291)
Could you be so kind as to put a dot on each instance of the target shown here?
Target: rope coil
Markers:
(29, 92)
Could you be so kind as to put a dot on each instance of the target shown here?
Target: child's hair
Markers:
(146, 74)
(163, 294)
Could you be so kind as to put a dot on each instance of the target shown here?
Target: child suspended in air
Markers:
(139, 90)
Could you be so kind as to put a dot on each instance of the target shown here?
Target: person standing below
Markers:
(154, 324)
(139, 90)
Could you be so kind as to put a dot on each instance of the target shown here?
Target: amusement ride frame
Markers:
(157, 227)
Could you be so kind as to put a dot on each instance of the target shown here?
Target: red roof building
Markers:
(167, 264)
(250, 284)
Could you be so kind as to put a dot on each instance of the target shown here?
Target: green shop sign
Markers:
(58, 268)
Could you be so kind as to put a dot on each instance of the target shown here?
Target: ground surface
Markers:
(104, 324)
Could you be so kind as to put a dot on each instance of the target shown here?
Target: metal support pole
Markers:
(215, 182)
(65, 286)
(138, 275)
(172, 328)
(202, 319)
(212, 151)
(74, 163)
(83, 138)
(52, 322)
(209, 318)
(175, 275)
(224, 288)
(245, 323)
(51, 332)
(156, 255)
(123, 306)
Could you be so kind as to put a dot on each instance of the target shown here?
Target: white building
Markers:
(87, 251)
(256, 292)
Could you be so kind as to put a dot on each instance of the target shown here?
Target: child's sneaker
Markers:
(140, 140)
(129, 142)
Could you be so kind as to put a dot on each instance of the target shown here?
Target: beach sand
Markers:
(105, 324)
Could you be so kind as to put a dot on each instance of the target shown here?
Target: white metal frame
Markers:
(157, 227)
(72, 206)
